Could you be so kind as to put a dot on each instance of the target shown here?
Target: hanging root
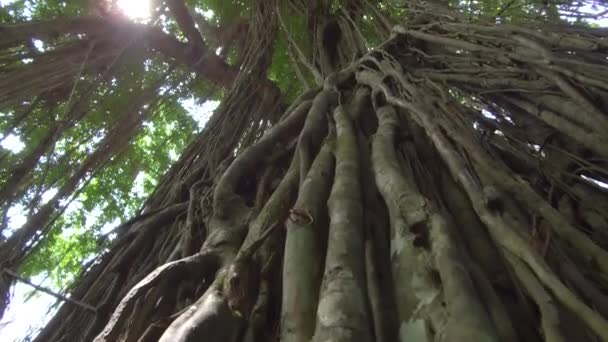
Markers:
(467, 219)
(303, 255)
(199, 264)
(315, 129)
(342, 314)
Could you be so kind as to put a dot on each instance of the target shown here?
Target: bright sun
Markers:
(136, 9)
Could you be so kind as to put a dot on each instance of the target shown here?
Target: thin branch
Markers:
(315, 72)
(504, 8)
(49, 292)
(296, 68)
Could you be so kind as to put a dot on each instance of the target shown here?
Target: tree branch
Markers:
(116, 31)
(187, 25)
(49, 292)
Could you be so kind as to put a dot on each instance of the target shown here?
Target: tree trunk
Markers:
(388, 203)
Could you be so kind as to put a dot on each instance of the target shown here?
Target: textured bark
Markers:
(342, 314)
(430, 189)
(405, 208)
(302, 265)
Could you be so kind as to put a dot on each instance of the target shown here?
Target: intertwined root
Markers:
(404, 198)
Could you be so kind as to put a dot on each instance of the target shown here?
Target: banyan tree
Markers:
(375, 171)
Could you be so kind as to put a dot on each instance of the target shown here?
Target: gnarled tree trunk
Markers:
(400, 199)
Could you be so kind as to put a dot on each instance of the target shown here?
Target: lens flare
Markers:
(135, 9)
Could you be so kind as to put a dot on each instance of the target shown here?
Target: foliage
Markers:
(66, 124)
(115, 192)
